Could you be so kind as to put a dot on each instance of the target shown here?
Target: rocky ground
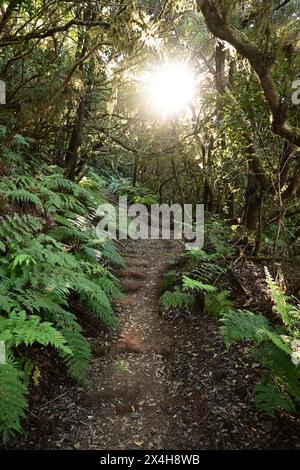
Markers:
(165, 381)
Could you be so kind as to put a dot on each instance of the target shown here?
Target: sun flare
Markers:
(170, 88)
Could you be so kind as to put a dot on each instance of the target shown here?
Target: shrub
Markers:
(49, 255)
(276, 348)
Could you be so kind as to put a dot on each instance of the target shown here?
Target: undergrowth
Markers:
(50, 260)
(276, 347)
(137, 194)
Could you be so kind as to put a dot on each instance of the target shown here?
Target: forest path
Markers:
(163, 381)
(134, 387)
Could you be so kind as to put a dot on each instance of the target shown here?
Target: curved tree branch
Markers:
(261, 61)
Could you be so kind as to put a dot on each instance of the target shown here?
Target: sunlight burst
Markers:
(170, 88)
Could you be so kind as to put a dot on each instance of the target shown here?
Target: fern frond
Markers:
(22, 196)
(110, 253)
(218, 303)
(193, 284)
(18, 328)
(281, 305)
(18, 228)
(12, 400)
(244, 326)
(269, 399)
(64, 233)
(78, 361)
(110, 287)
(280, 366)
(176, 299)
(95, 298)
(289, 313)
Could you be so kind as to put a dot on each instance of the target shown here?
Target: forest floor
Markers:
(164, 381)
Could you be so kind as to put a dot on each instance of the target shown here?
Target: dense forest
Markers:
(149, 342)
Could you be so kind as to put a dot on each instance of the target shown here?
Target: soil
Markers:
(164, 381)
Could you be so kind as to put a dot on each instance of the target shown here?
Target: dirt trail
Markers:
(132, 381)
(165, 381)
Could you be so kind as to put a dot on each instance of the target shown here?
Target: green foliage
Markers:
(12, 399)
(137, 194)
(268, 399)
(219, 236)
(205, 268)
(215, 303)
(277, 349)
(244, 326)
(15, 228)
(110, 253)
(177, 299)
(218, 303)
(289, 313)
(15, 330)
(19, 328)
(22, 196)
(193, 284)
(51, 265)
(52, 256)
(202, 275)
(146, 200)
(78, 360)
(169, 281)
(279, 369)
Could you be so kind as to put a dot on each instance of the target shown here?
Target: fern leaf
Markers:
(280, 366)
(244, 326)
(193, 284)
(218, 303)
(269, 399)
(176, 299)
(12, 400)
(19, 328)
(110, 252)
(78, 361)
(23, 196)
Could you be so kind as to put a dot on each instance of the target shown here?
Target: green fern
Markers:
(281, 301)
(13, 401)
(23, 196)
(110, 253)
(78, 361)
(215, 303)
(196, 254)
(279, 366)
(66, 233)
(218, 303)
(110, 287)
(203, 266)
(15, 330)
(193, 284)
(49, 259)
(169, 281)
(176, 299)
(273, 352)
(289, 313)
(244, 326)
(269, 399)
(18, 229)
(19, 328)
